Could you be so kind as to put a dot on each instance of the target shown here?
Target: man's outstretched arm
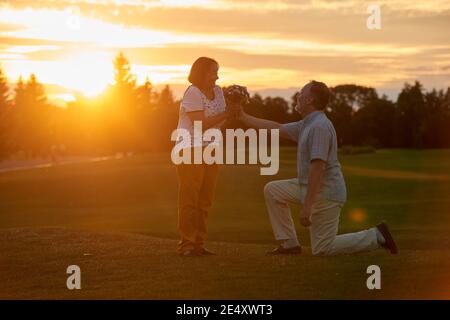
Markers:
(259, 123)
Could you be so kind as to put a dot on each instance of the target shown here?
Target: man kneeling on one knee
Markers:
(319, 187)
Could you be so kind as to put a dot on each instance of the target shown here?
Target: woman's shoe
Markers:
(204, 252)
(188, 253)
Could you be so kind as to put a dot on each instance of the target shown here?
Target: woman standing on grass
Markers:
(203, 101)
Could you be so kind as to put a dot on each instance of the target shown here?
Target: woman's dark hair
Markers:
(199, 69)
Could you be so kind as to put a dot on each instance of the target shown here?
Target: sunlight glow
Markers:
(35, 25)
(358, 215)
(86, 72)
(90, 73)
(161, 74)
(73, 46)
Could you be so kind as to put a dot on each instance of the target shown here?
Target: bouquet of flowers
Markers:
(236, 95)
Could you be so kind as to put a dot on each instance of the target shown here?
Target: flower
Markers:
(236, 94)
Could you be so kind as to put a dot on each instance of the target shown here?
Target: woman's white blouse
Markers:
(195, 100)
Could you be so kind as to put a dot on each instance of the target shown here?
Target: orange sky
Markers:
(271, 46)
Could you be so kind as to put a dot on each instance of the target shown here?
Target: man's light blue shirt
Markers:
(316, 139)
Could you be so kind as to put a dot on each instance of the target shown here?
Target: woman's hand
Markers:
(235, 110)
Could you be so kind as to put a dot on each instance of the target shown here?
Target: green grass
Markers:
(124, 212)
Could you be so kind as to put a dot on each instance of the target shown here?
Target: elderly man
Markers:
(319, 187)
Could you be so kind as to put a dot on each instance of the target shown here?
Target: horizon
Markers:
(60, 99)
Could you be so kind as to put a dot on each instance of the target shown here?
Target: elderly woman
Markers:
(203, 101)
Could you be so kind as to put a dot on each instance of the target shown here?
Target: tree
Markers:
(165, 119)
(373, 123)
(4, 113)
(446, 110)
(291, 114)
(19, 93)
(275, 109)
(436, 120)
(30, 118)
(4, 90)
(121, 118)
(166, 97)
(410, 116)
(17, 117)
(39, 112)
(345, 101)
(146, 96)
(255, 107)
(123, 78)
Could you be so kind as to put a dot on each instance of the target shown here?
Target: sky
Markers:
(272, 47)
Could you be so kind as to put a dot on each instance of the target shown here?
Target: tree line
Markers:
(128, 117)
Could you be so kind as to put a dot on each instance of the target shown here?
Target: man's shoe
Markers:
(280, 250)
(389, 240)
(204, 252)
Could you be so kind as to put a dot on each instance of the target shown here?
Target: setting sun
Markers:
(89, 73)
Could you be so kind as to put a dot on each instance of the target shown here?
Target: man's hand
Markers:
(235, 110)
(305, 217)
(316, 172)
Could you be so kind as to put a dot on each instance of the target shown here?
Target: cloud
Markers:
(272, 46)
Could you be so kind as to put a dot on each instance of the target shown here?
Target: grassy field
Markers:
(116, 219)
